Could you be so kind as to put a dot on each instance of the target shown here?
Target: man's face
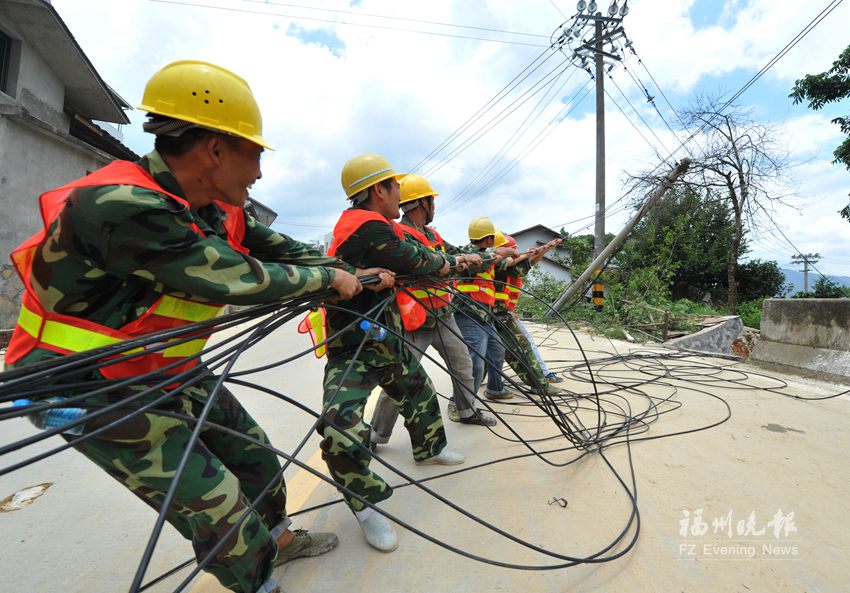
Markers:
(388, 199)
(237, 168)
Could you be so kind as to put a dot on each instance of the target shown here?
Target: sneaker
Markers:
(553, 378)
(497, 396)
(480, 419)
(444, 457)
(379, 532)
(452, 412)
(306, 544)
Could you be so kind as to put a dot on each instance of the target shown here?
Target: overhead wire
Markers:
(537, 110)
(394, 18)
(339, 22)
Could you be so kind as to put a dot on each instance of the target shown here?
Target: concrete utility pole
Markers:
(599, 227)
(806, 260)
(606, 30)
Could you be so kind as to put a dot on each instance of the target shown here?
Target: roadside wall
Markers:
(812, 335)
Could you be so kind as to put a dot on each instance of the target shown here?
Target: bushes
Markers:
(750, 313)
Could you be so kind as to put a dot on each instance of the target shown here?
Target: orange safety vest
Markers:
(514, 284)
(315, 323)
(412, 312)
(432, 297)
(480, 288)
(65, 334)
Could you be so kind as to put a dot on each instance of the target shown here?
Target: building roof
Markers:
(85, 91)
(546, 231)
(537, 227)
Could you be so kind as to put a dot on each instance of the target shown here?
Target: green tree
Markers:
(580, 250)
(758, 279)
(686, 235)
(829, 87)
(827, 289)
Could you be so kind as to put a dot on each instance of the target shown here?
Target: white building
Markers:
(50, 95)
(537, 236)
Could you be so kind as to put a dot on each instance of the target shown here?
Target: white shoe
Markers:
(379, 533)
(444, 457)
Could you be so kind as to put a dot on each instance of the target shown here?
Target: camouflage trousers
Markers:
(447, 340)
(343, 426)
(223, 476)
(519, 353)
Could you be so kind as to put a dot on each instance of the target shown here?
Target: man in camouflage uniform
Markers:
(439, 328)
(518, 349)
(366, 235)
(114, 252)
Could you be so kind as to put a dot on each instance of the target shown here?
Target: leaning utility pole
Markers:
(615, 243)
(809, 258)
(606, 30)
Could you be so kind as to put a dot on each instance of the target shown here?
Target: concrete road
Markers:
(755, 503)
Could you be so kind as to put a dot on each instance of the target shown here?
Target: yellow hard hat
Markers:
(207, 95)
(365, 171)
(415, 187)
(500, 239)
(481, 227)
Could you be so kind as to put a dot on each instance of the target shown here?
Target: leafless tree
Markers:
(738, 159)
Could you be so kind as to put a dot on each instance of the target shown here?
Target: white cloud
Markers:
(401, 93)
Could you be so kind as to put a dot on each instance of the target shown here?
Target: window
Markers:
(5, 60)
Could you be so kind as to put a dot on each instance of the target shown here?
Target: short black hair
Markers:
(180, 145)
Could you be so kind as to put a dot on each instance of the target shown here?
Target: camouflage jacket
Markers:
(114, 250)
(501, 278)
(466, 305)
(376, 245)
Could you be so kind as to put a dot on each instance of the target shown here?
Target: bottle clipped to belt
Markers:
(54, 417)
(374, 332)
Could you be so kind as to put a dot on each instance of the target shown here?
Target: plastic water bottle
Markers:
(54, 417)
(373, 331)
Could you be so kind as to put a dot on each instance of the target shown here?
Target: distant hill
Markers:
(796, 279)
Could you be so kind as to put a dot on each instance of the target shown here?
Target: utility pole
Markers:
(806, 260)
(599, 227)
(605, 30)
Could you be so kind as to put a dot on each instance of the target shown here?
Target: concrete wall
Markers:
(812, 335)
(32, 161)
(36, 154)
(716, 339)
(35, 86)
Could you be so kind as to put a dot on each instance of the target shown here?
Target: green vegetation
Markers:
(829, 87)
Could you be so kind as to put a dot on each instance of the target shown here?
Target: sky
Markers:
(335, 79)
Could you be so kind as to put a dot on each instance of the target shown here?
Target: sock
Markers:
(364, 514)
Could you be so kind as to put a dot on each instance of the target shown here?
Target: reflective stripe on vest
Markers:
(65, 334)
(480, 288)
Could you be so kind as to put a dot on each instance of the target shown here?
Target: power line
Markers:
(513, 84)
(495, 120)
(338, 22)
(394, 18)
(638, 114)
(542, 135)
(516, 136)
